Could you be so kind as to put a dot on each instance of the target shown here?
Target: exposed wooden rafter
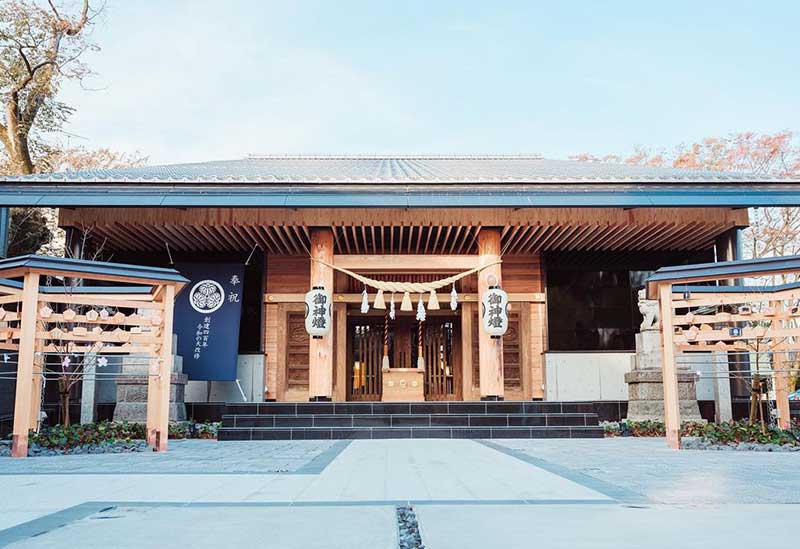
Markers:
(390, 231)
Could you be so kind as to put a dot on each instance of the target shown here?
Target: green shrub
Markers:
(106, 432)
(647, 428)
(207, 429)
(102, 432)
(740, 431)
(719, 433)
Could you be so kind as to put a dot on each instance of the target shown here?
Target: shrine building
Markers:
(406, 248)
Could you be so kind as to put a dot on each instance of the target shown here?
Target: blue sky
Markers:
(204, 79)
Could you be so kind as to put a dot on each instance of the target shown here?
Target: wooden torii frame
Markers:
(727, 329)
(37, 320)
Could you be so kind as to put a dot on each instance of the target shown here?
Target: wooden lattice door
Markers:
(441, 355)
(365, 354)
(440, 350)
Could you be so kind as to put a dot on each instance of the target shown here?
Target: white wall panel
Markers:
(587, 376)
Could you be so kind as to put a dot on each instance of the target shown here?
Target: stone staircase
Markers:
(381, 420)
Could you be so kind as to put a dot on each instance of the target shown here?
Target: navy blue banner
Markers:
(207, 314)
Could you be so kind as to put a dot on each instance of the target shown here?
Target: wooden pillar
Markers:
(672, 416)
(467, 383)
(780, 376)
(165, 371)
(538, 348)
(153, 394)
(37, 381)
(25, 360)
(153, 391)
(490, 351)
(340, 326)
(320, 351)
(525, 350)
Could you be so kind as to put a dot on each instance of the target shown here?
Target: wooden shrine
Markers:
(75, 314)
(756, 323)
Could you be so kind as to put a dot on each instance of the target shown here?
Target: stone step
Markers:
(395, 408)
(306, 433)
(410, 420)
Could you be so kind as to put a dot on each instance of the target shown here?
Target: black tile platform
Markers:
(377, 420)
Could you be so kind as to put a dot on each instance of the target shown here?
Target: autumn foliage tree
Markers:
(41, 45)
(40, 49)
(772, 231)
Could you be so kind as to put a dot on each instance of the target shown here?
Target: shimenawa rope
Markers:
(411, 287)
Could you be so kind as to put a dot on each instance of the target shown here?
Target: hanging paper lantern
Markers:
(364, 302)
(318, 312)
(405, 305)
(379, 302)
(421, 315)
(433, 301)
(453, 298)
(495, 311)
(392, 313)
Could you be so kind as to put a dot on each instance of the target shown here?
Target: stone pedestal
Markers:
(645, 387)
(132, 389)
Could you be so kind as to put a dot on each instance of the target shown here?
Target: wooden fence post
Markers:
(165, 370)
(780, 376)
(672, 416)
(25, 359)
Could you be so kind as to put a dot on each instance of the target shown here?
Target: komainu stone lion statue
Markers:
(649, 310)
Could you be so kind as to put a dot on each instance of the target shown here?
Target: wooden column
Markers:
(538, 348)
(340, 327)
(25, 360)
(153, 399)
(672, 416)
(153, 394)
(320, 351)
(37, 381)
(490, 351)
(780, 376)
(525, 348)
(467, 383)
(165, 371)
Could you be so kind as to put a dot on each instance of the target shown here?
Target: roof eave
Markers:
(518, 195)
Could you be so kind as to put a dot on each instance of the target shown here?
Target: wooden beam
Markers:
(723, 334)
(25, 361)
(672, 417)
(134, 301)
(406, 262)
(725, 298)
(490, 351)
(320, 352)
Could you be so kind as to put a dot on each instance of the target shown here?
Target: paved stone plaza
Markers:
(467, 493)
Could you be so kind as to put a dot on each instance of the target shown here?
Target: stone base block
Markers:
(653, 410)
(136, 412)
(646, 396)
(132, 399)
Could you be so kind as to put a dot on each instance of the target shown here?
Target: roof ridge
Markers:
(532, 156)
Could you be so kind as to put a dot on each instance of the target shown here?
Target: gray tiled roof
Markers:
(89, 267)
(393, 169)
